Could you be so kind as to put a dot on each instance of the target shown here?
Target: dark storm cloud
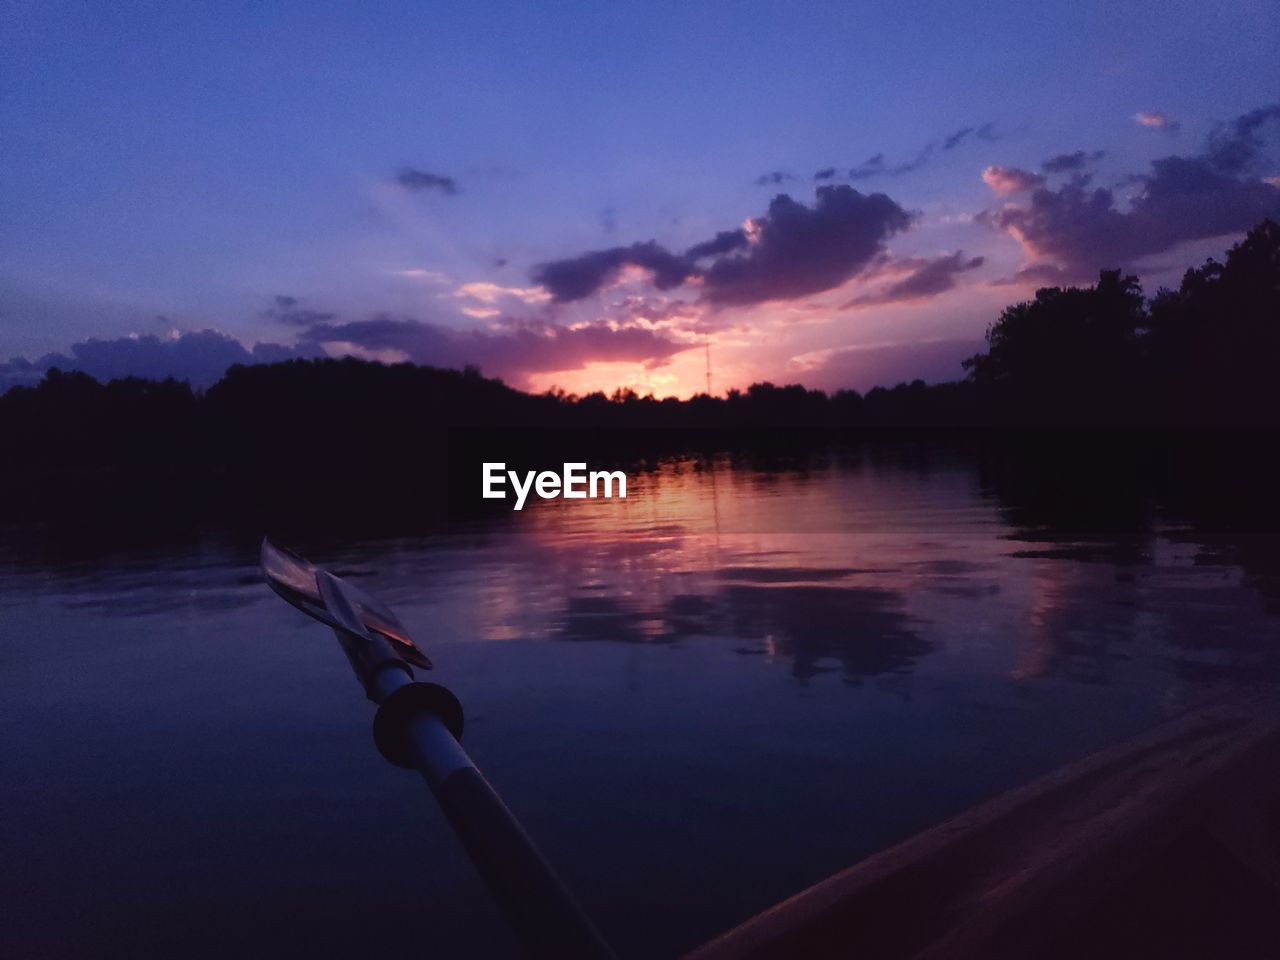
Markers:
(581, 276)
(200, 357)
(289, 311)
(511, 353)
(723, 242)
(1236, 147)
(1071, 231)
(1071, 162)
(774, 178)
(800, 250)
(826, 173)
(792, 251)
(926, 278)
(420, 180)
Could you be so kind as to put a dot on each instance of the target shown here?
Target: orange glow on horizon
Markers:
(684, 376)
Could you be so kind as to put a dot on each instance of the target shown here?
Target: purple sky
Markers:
(584, 194)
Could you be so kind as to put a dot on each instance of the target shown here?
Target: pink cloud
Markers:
(1004, 181)
(1157, 121)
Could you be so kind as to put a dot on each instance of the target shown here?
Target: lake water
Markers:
(698, 701)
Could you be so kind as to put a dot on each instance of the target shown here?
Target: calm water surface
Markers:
(699, 700)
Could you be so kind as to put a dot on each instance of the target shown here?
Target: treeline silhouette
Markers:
(1202, 355)
(1103, 356)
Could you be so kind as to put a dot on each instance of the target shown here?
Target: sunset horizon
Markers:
(820, 224)
(730, 480)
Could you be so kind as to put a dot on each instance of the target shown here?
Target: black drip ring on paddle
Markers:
(391, 722)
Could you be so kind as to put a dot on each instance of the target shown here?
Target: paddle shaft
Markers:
(543, 914)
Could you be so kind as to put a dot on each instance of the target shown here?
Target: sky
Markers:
(587, 195)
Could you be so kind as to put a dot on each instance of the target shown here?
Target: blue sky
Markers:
(172, 168)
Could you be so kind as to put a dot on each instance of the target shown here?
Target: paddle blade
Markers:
(341, 604)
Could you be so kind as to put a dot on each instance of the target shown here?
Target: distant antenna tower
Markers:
(707, 341)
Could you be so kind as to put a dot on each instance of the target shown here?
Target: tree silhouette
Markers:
(1205, 355)
(1066, 355)
(1214, 343)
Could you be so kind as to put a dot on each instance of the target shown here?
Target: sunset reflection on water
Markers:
(698, 699)
(855, 568)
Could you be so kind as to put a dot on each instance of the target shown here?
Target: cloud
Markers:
(723, 242)
(288, 310)
(792, 251)
(579, 277)
(420, 273)
(883, 365)
(773, 178)
(876, 167)
(798, 250)
(1158, 121)
(1070, 232)
(924, 278)
(1071, 162)
(493, 292)
(957, 138)
(985, 132)
(19, 371)
(1237, 146)
(1080, 230)
(661, 313)
(1004, 181)
(200, 357)
(511, 352)
(1048, 274)
(418, 181)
